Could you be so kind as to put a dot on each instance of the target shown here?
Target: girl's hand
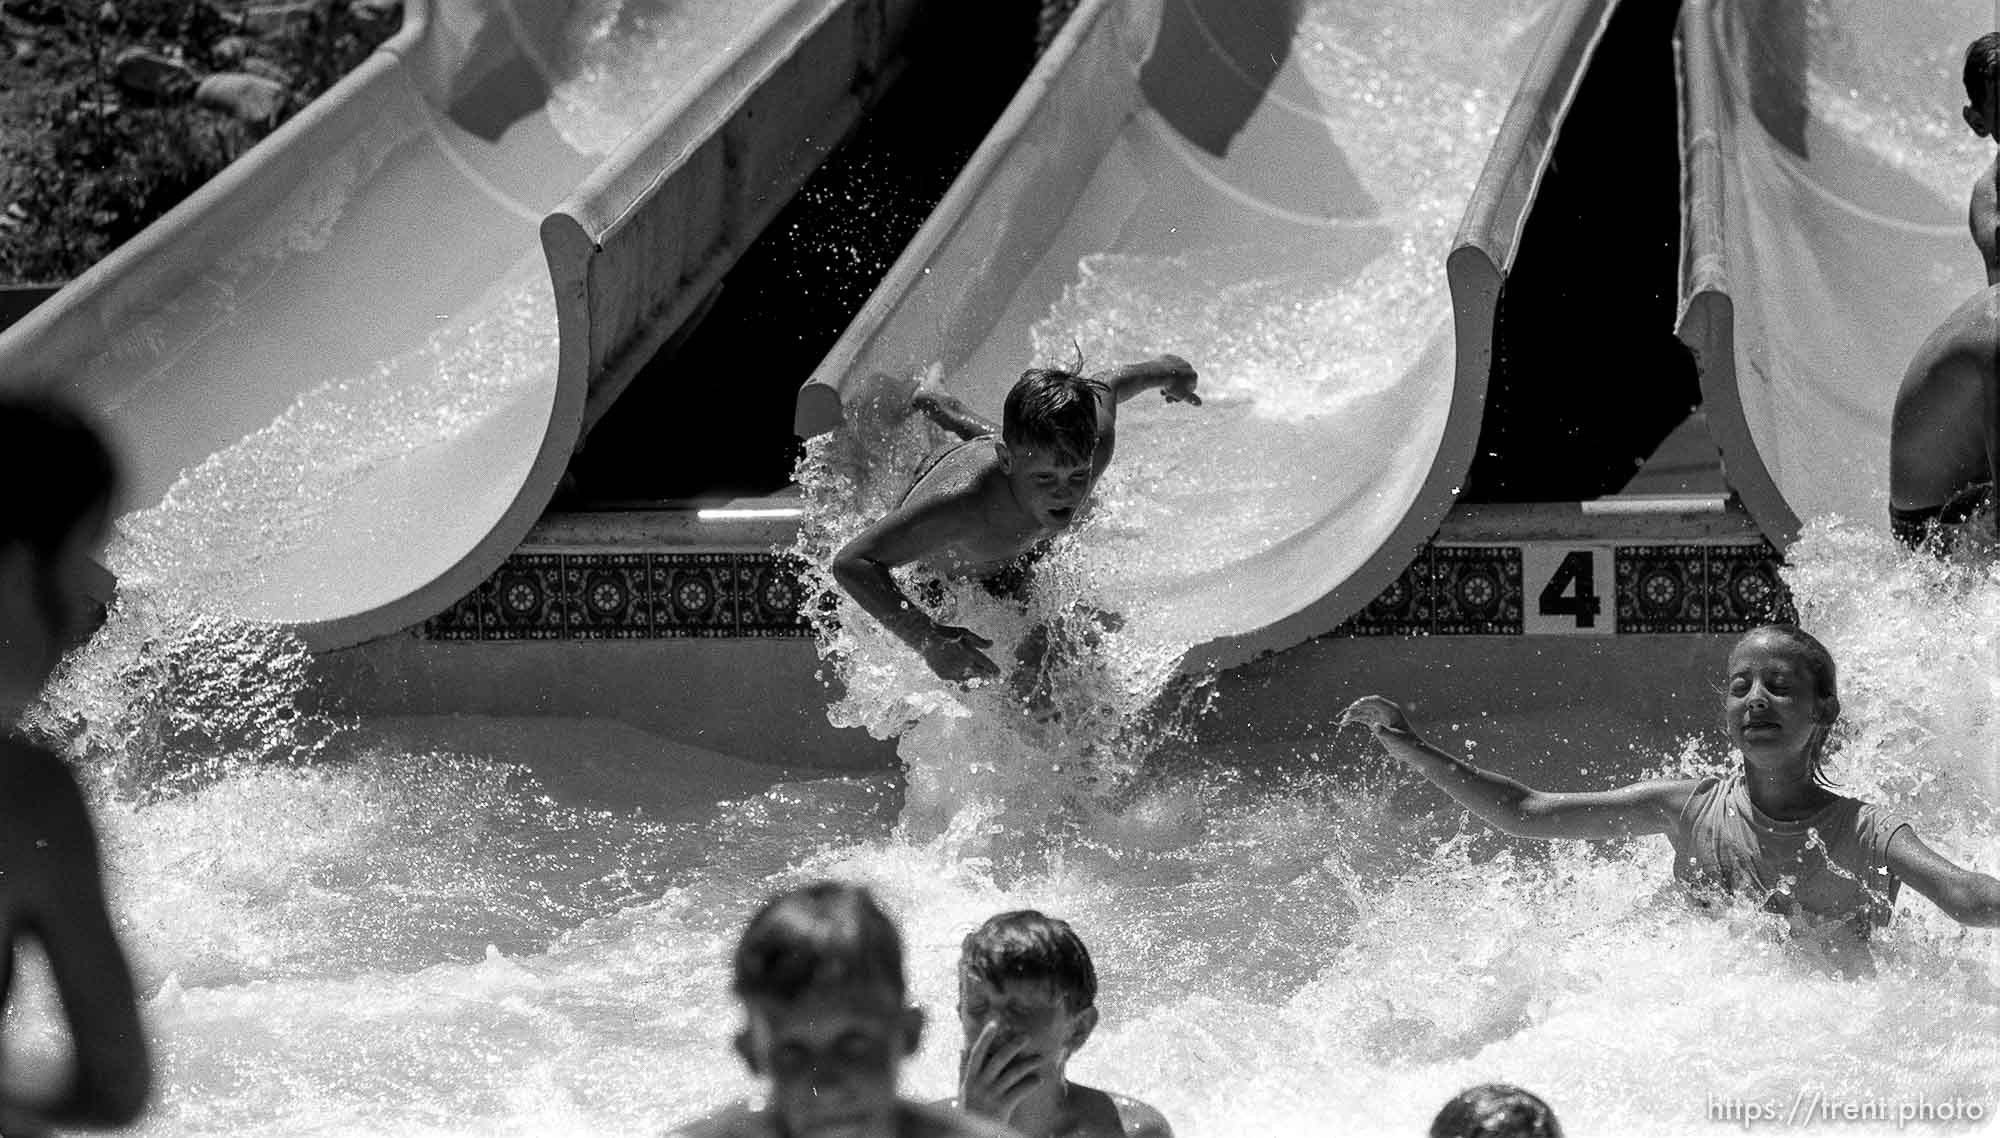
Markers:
(1377, 714)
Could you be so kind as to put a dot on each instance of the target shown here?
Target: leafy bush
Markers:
(105, 165)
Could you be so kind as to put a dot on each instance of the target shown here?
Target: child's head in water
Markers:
(1495, 1110)
(1049, 438)
(820, 973)
(62, 481)
(1982, 85)
(1781, 699)
(1030, 978)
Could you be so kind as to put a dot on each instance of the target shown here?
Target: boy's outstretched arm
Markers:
(1514, 808)
(1173, 376)
(904, 535)
(1966, 896)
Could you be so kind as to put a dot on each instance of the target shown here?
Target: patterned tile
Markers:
(770, 593)
(694, 594)
(1402, 609)
(1476, 590)
(1661, 588)
(1744, 589)
(1446, 590)
(529, 596)
(468, 619)
(608, 596)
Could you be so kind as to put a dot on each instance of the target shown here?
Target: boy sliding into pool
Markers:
(828, 1023)
(1944, 434)
(1027, 1000)
(986, 506)
(1982, 114)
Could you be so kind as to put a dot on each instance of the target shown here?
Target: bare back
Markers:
(983, 531)
(1984, 218)
(1939, 432)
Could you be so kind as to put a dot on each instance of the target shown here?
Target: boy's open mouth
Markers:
(1062, 513)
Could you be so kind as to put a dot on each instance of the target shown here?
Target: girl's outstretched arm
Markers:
(1967, 896)
(1518, 809)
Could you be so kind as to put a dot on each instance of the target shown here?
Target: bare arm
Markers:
(1168, 373)
(903, 535)
(1966, 896)
(1515, 808)
(60, 902)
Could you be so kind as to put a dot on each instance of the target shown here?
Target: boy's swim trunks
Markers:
(1923, 527)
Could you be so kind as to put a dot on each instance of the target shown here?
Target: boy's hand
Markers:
(1377, 714)
(1179, 385)
(954, 654)
(995, 1078)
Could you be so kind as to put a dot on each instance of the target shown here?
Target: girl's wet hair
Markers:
(57, 468)
(1052, 409)
(1028, 945)
(819, 937)
(1826, 679)
(1982, 69)
(1495, 1110)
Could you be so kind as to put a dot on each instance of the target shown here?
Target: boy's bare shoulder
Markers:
(1140, 1120)
(935, 1120)
(920, 1120)
(738, 1121)
(965, 473)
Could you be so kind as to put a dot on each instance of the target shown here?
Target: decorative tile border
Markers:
(1448, 590)
(629, 596)
(1478, 590)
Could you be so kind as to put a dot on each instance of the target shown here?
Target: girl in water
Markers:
(1772, 831)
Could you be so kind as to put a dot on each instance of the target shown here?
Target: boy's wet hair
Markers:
(1982, 69)
(1495, 1110)
(1052, 409)
(1825, 675)
(58, 468)
(1027, 945)
(827, 935)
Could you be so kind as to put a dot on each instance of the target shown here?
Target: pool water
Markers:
(501, 927)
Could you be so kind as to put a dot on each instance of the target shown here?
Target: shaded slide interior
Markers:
(1825, 233)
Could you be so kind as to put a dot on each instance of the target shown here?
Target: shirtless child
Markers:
(1027, 1000)
(828, 1023)
(1982, 114)
(1944, 435)
(986, 506)
(51, 885)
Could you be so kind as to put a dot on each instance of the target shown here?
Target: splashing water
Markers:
(501, 927)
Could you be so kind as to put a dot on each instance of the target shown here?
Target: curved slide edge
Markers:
(1824, 233)
(648, 237)
(1707, 319)
(127, 337)
(1476, 270)
(963, 263)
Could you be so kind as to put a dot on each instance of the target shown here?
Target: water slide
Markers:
(1314, 201)
(349, 372)
(1827, 174)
